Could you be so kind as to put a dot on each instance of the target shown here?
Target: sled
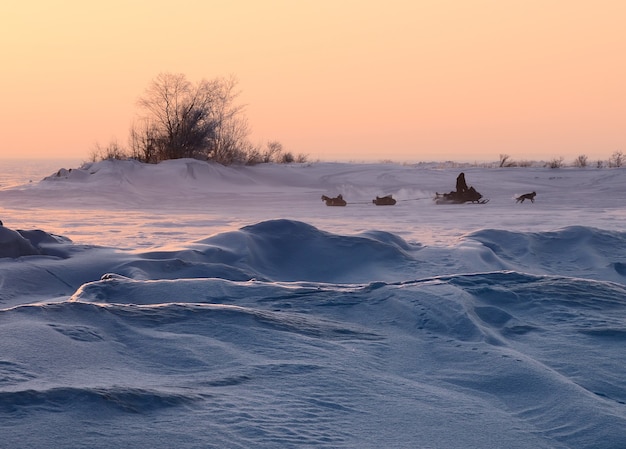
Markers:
(384, 200)
(337, 201)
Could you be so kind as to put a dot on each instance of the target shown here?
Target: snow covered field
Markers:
(192, 305)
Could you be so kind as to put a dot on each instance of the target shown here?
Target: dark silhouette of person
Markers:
(461, 185)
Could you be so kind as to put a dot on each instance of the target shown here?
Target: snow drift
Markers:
(292, 325)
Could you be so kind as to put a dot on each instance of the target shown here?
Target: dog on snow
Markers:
(526, 196)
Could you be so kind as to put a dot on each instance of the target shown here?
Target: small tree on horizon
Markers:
(181, 119)
(177, 120)
(617, 159)
(505, 161)
(581, 161)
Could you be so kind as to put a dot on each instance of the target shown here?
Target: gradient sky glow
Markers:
(405, 80)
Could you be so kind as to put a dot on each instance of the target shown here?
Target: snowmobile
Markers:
(454, 197)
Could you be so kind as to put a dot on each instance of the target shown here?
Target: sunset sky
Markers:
(349, 80)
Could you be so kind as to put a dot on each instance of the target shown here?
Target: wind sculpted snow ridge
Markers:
(527, 359)
(281, 334)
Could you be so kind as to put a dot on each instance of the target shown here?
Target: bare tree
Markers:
(273, 150)
(177, 120)
(505, 161)
(230, 141)
(617, 159)
(581, 161)
(144, 142)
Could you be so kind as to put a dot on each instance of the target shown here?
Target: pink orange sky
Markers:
(355, 80)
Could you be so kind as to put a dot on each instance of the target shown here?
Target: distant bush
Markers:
(272, 153)
(555, 163)
(580, 161)
(616, 159)
(111, 151)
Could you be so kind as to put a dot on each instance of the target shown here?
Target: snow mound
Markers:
(19, 243)
(574, 250)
